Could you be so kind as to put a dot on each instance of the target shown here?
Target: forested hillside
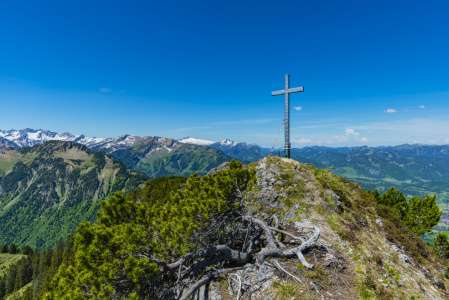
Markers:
(48, 189)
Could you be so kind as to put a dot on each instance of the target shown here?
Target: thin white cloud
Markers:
(297, 108)
(390, 111)
(431, 141)
(422, 107)
(446, 141)
(301, 141)
(350, 135)
(350, 132)
(105, 90)
(405, 110)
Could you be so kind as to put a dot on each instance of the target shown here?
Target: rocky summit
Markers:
(362, 250)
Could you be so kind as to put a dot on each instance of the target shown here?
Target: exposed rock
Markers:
(336, 197)
(288, 216)
(405, 258)
(221, 167)
(379, 222)
(214, 294)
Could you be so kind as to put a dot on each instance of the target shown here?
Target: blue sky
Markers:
(374, 72)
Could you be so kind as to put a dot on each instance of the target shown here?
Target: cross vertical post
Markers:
(286, 92)
(287, 146)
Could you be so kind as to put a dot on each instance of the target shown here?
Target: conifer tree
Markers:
(10, 281)
(441, 245)
(2, 288)
(422, 214)
(26, 250)
(12, 249)
(395, 199)
(419, 214)
(4, 249)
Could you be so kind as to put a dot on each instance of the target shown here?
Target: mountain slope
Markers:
(240, 151)
(48, 189)
(159, 156)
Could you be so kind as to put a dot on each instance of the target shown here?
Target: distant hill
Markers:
(48, 189)
(159, 156)
(413, 169)
(240, 151)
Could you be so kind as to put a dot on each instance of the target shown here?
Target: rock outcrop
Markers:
(360, 253)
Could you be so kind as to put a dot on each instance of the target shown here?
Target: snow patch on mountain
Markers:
(228, 143)
(30, 137)
(189, 140)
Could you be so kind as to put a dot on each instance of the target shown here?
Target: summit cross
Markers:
(287, 91)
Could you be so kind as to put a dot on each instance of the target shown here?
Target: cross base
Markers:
(287, 151)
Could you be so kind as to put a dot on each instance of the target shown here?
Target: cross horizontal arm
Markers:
(289, 91)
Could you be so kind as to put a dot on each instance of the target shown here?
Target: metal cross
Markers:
(287, 91)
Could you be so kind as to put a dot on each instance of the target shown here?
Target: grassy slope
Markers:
(351, 237)
(183, 160)
(17, 295)
(7, 259)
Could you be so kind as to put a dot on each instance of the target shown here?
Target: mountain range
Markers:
(153, 156)
(416, 169)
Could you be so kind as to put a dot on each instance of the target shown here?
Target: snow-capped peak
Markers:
(30, 137)
(227, 142)
(189, 140)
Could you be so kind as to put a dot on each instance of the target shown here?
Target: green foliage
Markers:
(287, 291)
(419, 214)
(394, 199)
(393, 272)
(114, 255)
(422, 214)
(441, 245)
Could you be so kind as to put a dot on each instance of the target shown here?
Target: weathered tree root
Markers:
(278, 266)
(239, 280)
(224, 254)
(205, 279)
